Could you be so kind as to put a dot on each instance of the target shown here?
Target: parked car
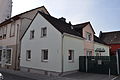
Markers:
(1, 76)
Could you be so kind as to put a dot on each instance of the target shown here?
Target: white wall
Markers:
(98, 45)
(52, 42)
(75, 44)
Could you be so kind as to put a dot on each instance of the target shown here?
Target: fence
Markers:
(98, 64)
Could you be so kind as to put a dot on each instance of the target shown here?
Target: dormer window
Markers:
(88, 36)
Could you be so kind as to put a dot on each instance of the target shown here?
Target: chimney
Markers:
(63, 19)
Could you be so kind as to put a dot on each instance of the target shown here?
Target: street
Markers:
(8, 76)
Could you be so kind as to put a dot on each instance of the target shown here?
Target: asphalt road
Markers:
(8, 76)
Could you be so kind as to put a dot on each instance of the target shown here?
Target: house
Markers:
(112, 39)
(11, 31)
(50, 46)
(87, 32)
(100, 47)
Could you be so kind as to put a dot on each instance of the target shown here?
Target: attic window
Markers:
(43, 32)
(88, 36)
(32, 34)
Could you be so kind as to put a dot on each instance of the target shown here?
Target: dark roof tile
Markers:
(60, 25)
(111, 37)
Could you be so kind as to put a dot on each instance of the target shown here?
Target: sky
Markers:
(104, 15)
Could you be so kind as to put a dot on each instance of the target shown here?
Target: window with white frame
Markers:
(8, 56)
(12, 29)
(88, 36)
(43, 32)
(32, 34)
(0, 55)
(44, 55)
(89, 53)
(4, 31)
(28, 55)
(71, 55)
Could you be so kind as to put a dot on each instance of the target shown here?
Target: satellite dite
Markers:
(5, 9)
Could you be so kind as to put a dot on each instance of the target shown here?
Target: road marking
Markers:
(114, 78)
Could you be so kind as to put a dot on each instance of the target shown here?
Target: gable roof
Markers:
(98, 40)
(16, 17)
(60, 25)
(82, 25)
(111, 37)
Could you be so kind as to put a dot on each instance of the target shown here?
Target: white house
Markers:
(50, 46)
(11, 32)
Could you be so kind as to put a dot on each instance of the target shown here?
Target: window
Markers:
(43, 32)
(71, 55)
(98, 54)
(8, 56)
(0, 55)
(32, 34)
(88, 36)
(0, 32)
(4, 32)
(28, 55)
(89, 53)
(44, 55)
(12, 29)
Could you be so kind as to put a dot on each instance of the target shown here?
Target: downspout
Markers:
(16, 56)
(62, 56)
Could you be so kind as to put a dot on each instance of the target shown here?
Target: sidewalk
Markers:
(73, 76)
(34, 75)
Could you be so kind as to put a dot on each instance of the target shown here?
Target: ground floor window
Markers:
(8, 56)
(98, 54)
(89, 53)
(0, 55)
(44, 55)
(71, 55)
(28, 55)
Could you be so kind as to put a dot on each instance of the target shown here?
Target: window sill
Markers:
(28, 59)
(70, 61)
(45, 61)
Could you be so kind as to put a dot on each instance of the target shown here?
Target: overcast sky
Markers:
(104, 15)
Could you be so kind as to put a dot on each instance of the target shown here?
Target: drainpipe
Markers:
(62, 56)
(16, 55)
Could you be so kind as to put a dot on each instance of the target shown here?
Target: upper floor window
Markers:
(4, 31)
(88, 36)
(0, 32)
(43, 32)
(71, 55)
(28, 55)
(32, 34)
(12, 29)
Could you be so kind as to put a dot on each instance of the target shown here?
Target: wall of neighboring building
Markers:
(52, 42)
(72, 43)
(27, 18)
(101, 47)
(10, 41)
(113, 48)
(89, 45)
